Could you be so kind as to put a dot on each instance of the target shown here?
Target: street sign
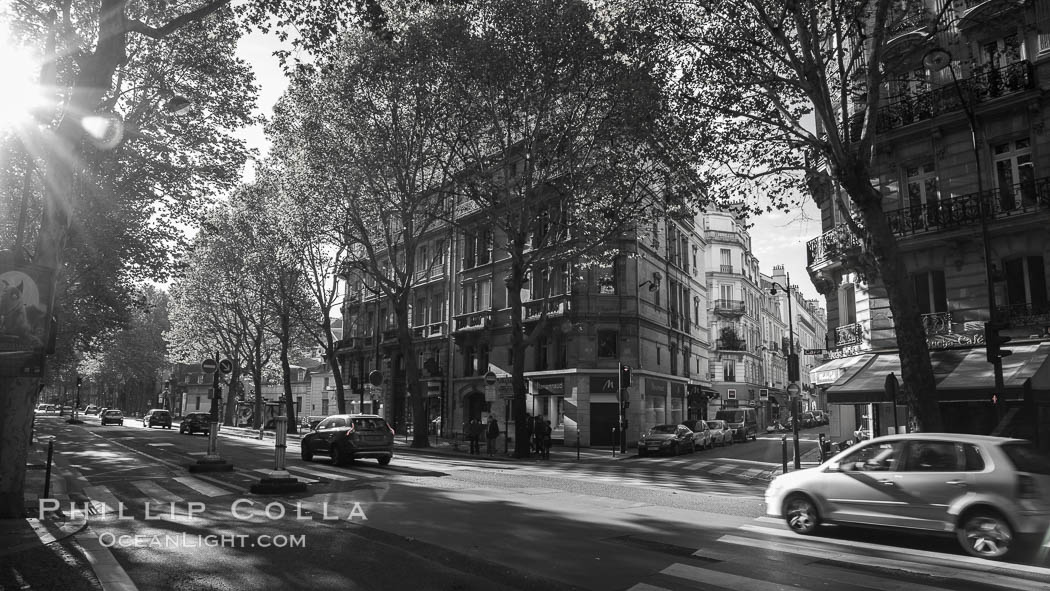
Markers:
(375, 377)
(226, 366)
(490, 379)
(209, 365)
(793, 389)
(813, 351)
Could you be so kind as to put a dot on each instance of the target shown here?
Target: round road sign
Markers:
(490, 378)
(225, 366)
(209, 365)
(793, 389)
(375, 378)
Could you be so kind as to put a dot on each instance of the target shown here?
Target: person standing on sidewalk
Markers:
(491, 434)
(537, 434)
(546, 441)
(474, 436)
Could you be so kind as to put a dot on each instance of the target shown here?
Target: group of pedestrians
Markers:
(539, 431)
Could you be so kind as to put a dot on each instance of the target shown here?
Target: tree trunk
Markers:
(522, 445)
(919, 386)
(420, 428)
(16, 425)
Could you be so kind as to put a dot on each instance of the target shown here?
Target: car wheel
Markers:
(337, 456)
(985, 534)
(182, 430)
(307, 455)
(801, 514)
(385, 460)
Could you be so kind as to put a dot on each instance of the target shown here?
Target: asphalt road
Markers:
(431, 521)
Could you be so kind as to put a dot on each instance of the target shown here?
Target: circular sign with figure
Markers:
(209, 365)
(226, 366)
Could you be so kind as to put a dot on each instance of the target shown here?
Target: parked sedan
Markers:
(986, 491)
(672, 439)
(344, 438)
(112, 416)
(195, 422)
(701, 434)
(721, 433)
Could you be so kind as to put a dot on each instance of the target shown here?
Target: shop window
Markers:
(607, 344)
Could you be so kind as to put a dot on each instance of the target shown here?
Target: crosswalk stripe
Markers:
(697, 465)
(722, 579)
(268, 471)
(205, 488)
(319, 473)
(156, 492)
(197, 453)
(721, 469)
(104, 500)
(646, 587)
(160, 444)
(933, 564)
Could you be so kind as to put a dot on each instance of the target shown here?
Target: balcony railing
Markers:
(730, 306)
(473, 320)
(555, 306)
(429, 330)
(730, 345)
(945, 214)
(984, 86)
(725, 268)
(937, 323)
(1025, 314)
(849, 334)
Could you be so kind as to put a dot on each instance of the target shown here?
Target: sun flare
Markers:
(21, 92)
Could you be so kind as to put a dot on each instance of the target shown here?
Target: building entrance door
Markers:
(604, 418)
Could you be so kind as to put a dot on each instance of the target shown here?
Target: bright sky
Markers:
(776, 238)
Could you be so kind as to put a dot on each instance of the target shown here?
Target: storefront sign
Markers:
(551, 386)
(603, 385)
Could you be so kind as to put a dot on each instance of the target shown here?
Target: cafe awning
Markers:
(830, 372)
(962, 375)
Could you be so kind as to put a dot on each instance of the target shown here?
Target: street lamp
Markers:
(793, 387)
(937, 59)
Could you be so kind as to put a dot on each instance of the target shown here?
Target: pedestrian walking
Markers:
(491, 434)
(474, 436)
(546, 442)
(537, 434)
(530, 428)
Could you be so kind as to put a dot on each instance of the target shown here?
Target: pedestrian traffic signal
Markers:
(993, 342)
(625, 376)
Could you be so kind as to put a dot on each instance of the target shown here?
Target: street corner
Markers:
(47, 520)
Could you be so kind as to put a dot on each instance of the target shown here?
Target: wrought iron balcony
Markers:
(966, 210)
(556, 305)
(984, 86)
(730, 345)
(471, 321)
(849, 334)
(831, 244)
(1035, 314)
(730, 307)
(429, 330)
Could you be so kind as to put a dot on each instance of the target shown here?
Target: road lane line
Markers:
(205, 488)
(319, 473)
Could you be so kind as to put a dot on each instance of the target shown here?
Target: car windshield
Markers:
(733, 416)
(1026, 458)
(112, 413)
(664, 429)
(369, 424)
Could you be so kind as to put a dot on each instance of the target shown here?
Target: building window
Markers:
(542, 350)
(197, 403)
(726, 260)
(1015, 174)
(923, 195)
(847, 304)
(324, 406)
(1026, 283)
(674, 360)
(607, 344)
(729, 370)
(930, 293)
(607, 279)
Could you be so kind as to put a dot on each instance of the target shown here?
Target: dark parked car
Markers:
(344, 438)
(157, 417)
(112, 416)
(195, 422)
(673, 439)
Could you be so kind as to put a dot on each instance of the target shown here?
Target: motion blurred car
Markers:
(344, 438)
(701, 434)
(195, 422)
(721, 433)
(157, 417)
(671, 439)
(112, 416)
(986, 491)
(91, 409)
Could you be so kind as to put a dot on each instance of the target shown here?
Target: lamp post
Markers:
(793, 387)
(937, 59)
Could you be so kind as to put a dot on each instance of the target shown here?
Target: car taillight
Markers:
(1026, 487)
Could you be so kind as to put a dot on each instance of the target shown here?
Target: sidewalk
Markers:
(50, 549)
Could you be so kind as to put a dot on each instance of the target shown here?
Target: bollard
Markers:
(784, 452)
(614, 441)
(47, 473)
(577, 446)
(280, 437)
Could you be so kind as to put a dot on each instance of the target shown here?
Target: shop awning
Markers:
(962, 375)
(830, 372)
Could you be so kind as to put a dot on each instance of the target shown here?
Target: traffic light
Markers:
(793, 367)
(993, 342)
(625, 376)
